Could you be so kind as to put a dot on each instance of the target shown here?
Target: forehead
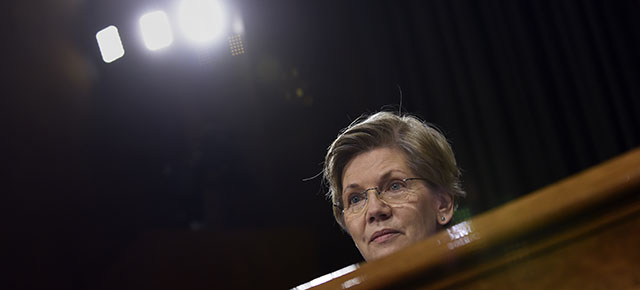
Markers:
(368, 167)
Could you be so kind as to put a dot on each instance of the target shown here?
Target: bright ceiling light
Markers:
(156, 30)
(110, 44)
(201, 21)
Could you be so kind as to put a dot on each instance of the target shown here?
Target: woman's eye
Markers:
(395, 186)
(356, 198)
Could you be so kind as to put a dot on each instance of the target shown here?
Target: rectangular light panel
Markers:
(110, 44)
(156, 30)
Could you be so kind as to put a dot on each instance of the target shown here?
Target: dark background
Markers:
(183, 168)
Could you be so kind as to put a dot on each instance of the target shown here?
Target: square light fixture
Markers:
(236, 45)
(156, 30)
(110, 44)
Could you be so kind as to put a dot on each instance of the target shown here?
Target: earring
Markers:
(442, 218)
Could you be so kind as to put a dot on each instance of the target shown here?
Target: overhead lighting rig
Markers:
(200, 22)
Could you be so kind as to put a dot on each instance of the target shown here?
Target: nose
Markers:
(377, 210)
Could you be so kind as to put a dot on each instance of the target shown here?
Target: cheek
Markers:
(355, 229)
(423, 219)
(416, 217)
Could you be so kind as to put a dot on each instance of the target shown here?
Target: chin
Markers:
(383, 251)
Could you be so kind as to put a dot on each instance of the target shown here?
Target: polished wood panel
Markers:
(581, 232)
(602, 254)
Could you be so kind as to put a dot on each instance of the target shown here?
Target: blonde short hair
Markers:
(427, 151)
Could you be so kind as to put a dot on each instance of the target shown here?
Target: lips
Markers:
(382, 235)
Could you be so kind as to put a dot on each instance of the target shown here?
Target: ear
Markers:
(443, 207)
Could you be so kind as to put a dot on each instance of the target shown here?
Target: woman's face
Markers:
(381, 229)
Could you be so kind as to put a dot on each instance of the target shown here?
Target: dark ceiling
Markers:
(190, 168)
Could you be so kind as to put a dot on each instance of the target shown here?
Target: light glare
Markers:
(110, 44)
(156, 30)
(238, 25)
(201, 21)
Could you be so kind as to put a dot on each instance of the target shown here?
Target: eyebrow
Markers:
(385, 176)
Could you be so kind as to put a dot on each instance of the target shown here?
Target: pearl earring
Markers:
(442, 218)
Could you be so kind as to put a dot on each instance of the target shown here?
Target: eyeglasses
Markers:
(394, 192)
